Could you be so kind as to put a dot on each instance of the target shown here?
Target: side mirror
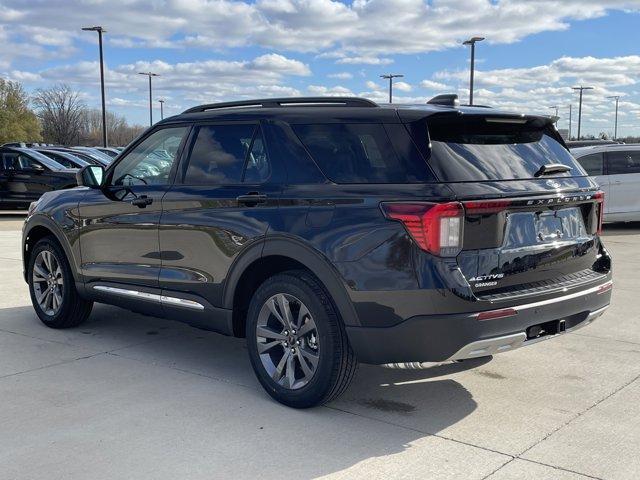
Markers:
(37, 167)
(90, 176)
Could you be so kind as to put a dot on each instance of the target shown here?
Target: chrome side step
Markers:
(506, 343)
(152, 297)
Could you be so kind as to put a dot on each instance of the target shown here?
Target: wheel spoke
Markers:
(291, 371)
(57, 299)
(308, 372)
(277, 374)
(47, 300)
(39, 275)
(307, 327)
(58, 275)
(263, 347)
(302, 314)
(311, 356)
(283, 303)
(271, 303)
(266, 332)
(40, 296)
(46, 256)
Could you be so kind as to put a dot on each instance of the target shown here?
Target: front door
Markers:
(119, 232)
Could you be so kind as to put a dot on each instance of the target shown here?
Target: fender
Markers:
(41, 220)
(307, 256)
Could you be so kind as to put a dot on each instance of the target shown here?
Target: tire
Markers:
(64, 308)
(321, 333)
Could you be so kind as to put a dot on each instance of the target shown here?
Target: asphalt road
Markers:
(132, 397)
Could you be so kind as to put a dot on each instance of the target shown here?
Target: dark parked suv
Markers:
(330, 232)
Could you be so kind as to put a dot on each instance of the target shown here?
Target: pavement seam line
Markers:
(42, 367)
(575, 417)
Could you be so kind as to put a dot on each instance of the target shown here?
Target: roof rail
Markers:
(286, 102)
(448, 100)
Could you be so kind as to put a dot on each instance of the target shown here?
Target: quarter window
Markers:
(623, 162)
(150, 162)
(227, 154)
(592, 163)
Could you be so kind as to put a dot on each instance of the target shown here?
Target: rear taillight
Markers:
(435, 227)
(599, 198)
(483, 207)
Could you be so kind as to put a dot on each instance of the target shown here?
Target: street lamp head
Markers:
(582, 88)
(97, 28)
(615, 97)
(392, 75)
(150, 74)
(473, 40)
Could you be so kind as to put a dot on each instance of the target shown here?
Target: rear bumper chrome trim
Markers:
(152, 297)
(505, 343)
(601, 288)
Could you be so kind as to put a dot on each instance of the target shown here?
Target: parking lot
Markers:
(127, 396)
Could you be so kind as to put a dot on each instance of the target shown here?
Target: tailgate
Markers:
(521, 245)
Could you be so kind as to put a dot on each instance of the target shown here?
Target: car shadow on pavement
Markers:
(380, 394)
(621, 228)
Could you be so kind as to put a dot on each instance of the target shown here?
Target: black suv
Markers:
(330, 232)
(25, 174)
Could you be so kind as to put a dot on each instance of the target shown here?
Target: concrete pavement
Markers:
(128, 397)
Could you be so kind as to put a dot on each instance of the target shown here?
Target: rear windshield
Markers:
(477, 150)
(364, 153)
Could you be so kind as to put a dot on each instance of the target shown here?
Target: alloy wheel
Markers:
(47, 281)
(287, 341)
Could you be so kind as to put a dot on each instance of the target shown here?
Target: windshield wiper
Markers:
(551, 168)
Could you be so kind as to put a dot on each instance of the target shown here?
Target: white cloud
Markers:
(364, 60)
(402, 86)
(364, 28)
(341, 75)
(432, 85)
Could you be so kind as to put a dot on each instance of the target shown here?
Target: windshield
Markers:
(43, 159)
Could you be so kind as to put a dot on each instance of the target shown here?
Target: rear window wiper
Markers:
(551, 168)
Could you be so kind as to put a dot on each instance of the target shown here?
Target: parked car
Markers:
(616, 168)
(111, 152)
(94, 152)
(88, 157)
(65, 159)
(26, 174)
(332, 231)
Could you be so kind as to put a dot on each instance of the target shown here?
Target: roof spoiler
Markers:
(447, 100)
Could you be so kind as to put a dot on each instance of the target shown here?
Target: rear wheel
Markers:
(52, 288)
(297, 343)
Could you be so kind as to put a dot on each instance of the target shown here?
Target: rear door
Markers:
(623, 167)
(225, 194)
(25, 179)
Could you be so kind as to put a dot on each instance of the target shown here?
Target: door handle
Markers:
(142, 201)
(617, 182)
(251, 199)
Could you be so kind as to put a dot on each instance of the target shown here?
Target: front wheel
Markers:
(297, 343)
(52, 288)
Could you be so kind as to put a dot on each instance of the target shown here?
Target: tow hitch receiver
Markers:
(553, 327)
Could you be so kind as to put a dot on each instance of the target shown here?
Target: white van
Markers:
(617, 169)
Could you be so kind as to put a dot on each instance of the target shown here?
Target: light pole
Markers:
(390, 77)
(570, 113)
(615, 131)
(472, 41)
(100, 31)
(556, 107)
(161, 100)
(150, 74)
(580, 89)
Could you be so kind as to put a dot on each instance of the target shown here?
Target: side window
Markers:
(592, 163)
(623, 162)
(258, 168)
(361, 153)
(10, 161)
(219, 153)
(150, 162)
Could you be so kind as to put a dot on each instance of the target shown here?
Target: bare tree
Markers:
(60, 111)
(119, 132)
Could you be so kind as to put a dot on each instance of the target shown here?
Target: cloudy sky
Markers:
(217, 50)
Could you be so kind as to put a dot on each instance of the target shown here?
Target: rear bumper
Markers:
(437, 338)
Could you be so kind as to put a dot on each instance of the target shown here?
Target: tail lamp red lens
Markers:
(483, 207)
(599, 198)
(495, 314)
(435, 227)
